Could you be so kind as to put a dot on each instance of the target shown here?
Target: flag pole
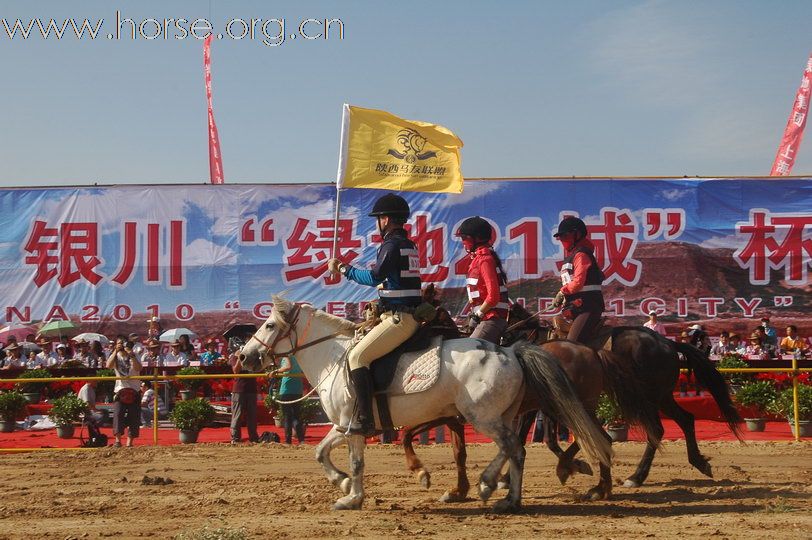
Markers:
(342, 162)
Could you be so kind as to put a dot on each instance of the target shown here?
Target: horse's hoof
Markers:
(451, 497)
(595, 494)
(345, 486)
(705, 469)
(629, 483)
(563, 474)
(424, 478)
(506, 506)
(348, 503)
(485, 491)
(580, 466)
(503, 485)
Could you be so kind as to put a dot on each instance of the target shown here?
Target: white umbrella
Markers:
(87, 337)
(27, 347)
(172, 335)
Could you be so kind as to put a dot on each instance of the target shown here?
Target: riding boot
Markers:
(363, 423)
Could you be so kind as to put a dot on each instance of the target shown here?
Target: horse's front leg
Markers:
(355, 498)
(336, 476)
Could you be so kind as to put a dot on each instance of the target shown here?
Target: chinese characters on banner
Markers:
(794, 132)
(122, 253)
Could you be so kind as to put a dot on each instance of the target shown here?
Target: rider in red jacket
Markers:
(581, 279)
(486, 281)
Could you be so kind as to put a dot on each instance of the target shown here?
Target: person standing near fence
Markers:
(126, 402)
(243, 404)
(291, 389)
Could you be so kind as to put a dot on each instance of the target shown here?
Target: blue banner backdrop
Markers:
(718, 250)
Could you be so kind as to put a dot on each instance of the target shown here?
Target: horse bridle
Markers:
(294, 338)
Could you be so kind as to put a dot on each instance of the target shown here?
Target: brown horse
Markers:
(652, 362)
(590, 373)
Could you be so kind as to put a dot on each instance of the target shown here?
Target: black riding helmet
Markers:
(571, 224)
(391, 205)
(476, 228)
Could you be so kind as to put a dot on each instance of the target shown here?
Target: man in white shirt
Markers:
(14, 357)
(138, 347)
(653, 324)
(153, 356)
(46, 357)
(175, 357)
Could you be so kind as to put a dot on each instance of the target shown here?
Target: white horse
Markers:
(477, 380)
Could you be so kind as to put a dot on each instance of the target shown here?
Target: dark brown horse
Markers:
(640, 353)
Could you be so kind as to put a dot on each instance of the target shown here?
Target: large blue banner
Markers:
(717, 250)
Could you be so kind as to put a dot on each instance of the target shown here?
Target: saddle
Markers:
(601, 337)
(413, 366)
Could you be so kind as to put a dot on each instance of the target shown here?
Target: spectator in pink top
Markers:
(653, 324)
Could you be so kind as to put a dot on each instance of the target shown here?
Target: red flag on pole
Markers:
(215, 157)
(794, 132)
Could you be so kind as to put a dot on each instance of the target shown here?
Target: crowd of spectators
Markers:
(762, 343)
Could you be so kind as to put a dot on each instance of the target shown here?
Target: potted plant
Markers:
(274, 409)
(104, 389)
(609, 413)
(783, 406)
(190, 417)
(12, 403)
(735, 380)
(311, 409)
(189, 387)
(65, 413)
(33, 390)
(758, 396)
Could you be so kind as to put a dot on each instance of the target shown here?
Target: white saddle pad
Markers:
(417, 371)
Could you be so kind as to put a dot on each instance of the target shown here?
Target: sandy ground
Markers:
(762, 490)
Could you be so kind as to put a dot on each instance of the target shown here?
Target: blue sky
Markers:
(532, 88)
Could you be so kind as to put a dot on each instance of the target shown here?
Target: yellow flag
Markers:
(381, 151)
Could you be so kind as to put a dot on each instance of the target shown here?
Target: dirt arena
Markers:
(762, 490)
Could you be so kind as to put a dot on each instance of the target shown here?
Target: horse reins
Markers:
(296, 348)
(536, 314)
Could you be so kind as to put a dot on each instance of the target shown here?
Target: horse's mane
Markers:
(283, 308)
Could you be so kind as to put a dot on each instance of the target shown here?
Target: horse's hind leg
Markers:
(685, 420)
(525, 422)
(460, 492)
(412, 461)
(644, 467)
(509, 450)
(604, 487)
(355, 498)
(336, 476)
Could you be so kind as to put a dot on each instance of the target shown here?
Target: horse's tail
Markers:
(557, 399)
(628, 391)
(711, 379)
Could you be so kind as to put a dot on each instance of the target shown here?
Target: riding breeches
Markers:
(394, 329)
(490, 330)
(583, 327)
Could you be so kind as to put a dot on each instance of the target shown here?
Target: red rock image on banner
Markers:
(794, 132)
(215, 157)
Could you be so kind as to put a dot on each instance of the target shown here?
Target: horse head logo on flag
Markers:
(411, 146)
